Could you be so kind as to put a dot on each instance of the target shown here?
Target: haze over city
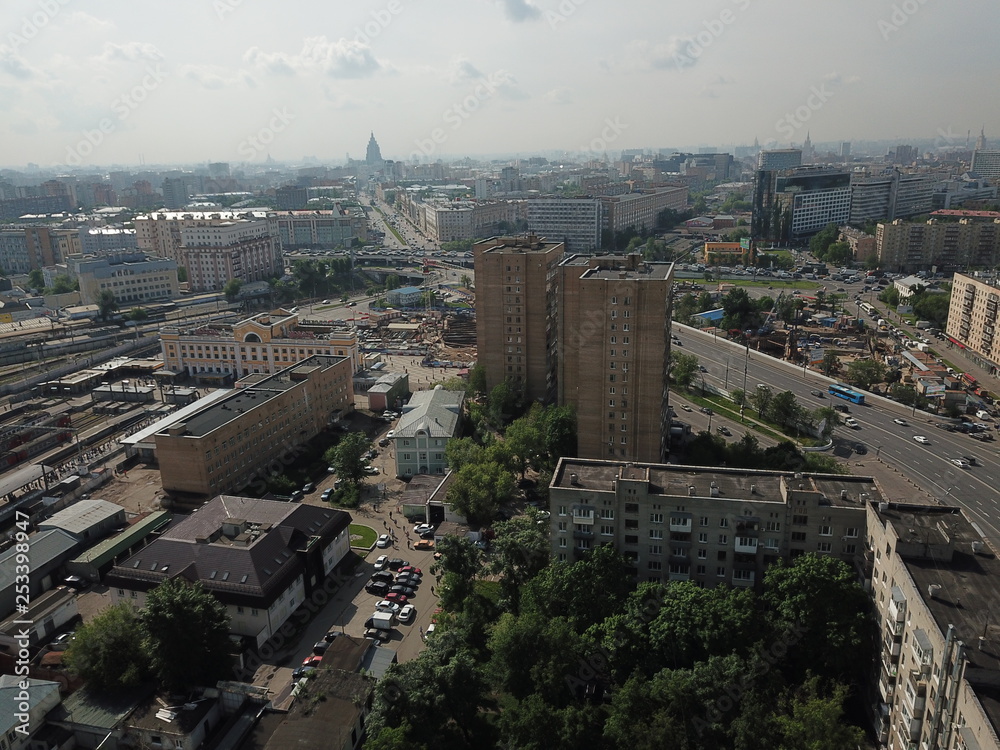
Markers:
(239, 81)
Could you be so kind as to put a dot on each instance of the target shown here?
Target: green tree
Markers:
(137, 314)
(109, 652)
(741, 311)
(36, 280)
(818, 602)
(558, 434)
(459, 565)
(739, 396)
(437, 697)
(347, 457)
(63, 284)
(761, 398)
(525, 442)
(839, 254)
(683, 368)
(519, 551)
(890, 296)
(232, 289)
(932, 306)
(466, 280)
(821, 241)
(479, 489)
(107, 304)
(786, 411)
(907, 394)
(461, 451)
(865, 373)
(188, 635)
(830, 416)
(831, 363)
(814, 720)
(477, 381)
(182, 274)
(505, 402)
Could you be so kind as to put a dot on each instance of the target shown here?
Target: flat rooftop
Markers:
(243, 400)
(670, 480)
(969, 593)
(529, 244)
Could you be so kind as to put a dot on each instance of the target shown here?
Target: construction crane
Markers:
(768, 325)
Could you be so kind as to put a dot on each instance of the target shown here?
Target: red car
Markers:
(411, 569)
(312, 661)
(392, 596)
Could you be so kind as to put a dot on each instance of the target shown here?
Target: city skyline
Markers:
(86, 85)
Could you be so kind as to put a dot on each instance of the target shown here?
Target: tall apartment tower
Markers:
(516, 301)
(614, 349)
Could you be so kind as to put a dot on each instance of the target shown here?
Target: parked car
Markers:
(377, 634)
(407, 613)
(320, 647)
(395, 596)
(383, 442)
(407, 568)
(327, 494)
(378, 588)
(371, 470)
(387, 606)
(860, 449)
(308, 487)
(424, 544)
(76, 582)
(408, 579)
(299, 672)
(422, 528)
(384, 541)
(381, 562)
(312, 661)
(396, 563)
(406, 591)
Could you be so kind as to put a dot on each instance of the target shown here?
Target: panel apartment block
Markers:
(973, 318)
(712, 526)
(641, 210)
(614, 351)
(264, 343)
(906, 247)
(934, 582)
(575, 221)
(516, 299)
(235, 441)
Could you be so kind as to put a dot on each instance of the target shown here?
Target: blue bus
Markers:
(842, 391)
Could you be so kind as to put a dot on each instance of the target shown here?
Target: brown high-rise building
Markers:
(588, 332)
(516, 299)
(614, 348)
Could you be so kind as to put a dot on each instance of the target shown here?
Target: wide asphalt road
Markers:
(928, 466)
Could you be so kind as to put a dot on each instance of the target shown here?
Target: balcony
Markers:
(743, 578)
(680, 524)
(897, 606)
(887, 688)
(581, 534)
(583, 517)
(915, 695)
(680, 576)
(746, 545)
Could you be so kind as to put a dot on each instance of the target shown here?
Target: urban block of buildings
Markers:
(589, 332)
(429, 420)
(235, 440)
(133, 278)
(973, 318)
(708, 525)
(934, 583)
(263, 343)
(262, 559)
(906, 247)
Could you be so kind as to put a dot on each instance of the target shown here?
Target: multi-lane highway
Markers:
(928, 466)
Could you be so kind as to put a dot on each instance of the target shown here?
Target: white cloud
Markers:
(129, 52)
(641, 54)
(215, 77)
(519, 11)
(341, 59)
(82, 21)
(462, 71)
(15, 65)
(560, 95)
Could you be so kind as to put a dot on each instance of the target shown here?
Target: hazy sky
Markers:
(187, 81)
